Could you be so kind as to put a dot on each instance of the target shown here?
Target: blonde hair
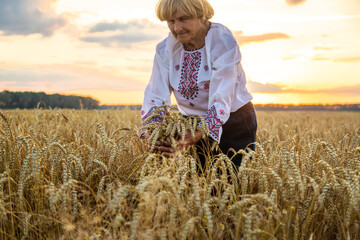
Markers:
(166, 9)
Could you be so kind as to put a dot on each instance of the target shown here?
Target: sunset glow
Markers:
(293, 51)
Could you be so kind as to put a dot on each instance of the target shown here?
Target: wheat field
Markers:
(81, 174)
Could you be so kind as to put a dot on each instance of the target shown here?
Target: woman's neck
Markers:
(199, 42)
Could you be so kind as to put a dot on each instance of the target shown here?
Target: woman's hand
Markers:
(182, 145)
(165, 148)
(189, 140)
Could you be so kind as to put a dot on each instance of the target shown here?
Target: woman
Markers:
(199, 62)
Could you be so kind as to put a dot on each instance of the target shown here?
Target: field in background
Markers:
(78, 174)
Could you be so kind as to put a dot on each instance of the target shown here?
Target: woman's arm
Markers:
(158, 90)
(227, 75)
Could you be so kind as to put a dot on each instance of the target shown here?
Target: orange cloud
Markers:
(322, 47)
(352, 90)
(263, 88)
(244, 39)
(256, 87)
(348, 59)
(318, 58)
(344, 59)
(294, 2)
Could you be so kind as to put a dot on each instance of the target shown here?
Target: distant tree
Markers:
(22, 100)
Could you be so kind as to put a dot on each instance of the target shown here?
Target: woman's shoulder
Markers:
(219, 27)
(161, 47)
(221, 35)
(221, 30)
(167, 46)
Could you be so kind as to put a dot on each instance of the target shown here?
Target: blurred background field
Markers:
(84, 174)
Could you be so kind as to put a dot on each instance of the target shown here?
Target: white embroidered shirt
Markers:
(209, 81)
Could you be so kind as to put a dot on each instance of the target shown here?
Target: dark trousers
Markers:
(238, 133)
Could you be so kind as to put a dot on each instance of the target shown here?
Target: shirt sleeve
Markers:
(227, 72)
(158, 89)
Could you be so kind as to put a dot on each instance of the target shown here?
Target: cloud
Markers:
(325, 52)
(263, 88)
(136, 24)
(353, 90)
(348, 90)
(338, 59)
(118, 34)
(347, 59)
(295, 2)
(244, 39)
(256, 87)
(325, 47)
(105, 26)
(122, 40)
(24, 17)
(57, 77)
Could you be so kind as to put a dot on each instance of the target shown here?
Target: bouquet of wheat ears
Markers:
(173, 123)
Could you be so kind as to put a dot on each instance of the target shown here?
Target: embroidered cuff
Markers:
(214, 123)
(147, 120)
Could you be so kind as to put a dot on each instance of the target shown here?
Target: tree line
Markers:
(308, 107)
(271, 107)
(12, 100)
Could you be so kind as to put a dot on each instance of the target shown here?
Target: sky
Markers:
(293, 51)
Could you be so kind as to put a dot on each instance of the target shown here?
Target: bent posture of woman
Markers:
(200, 63)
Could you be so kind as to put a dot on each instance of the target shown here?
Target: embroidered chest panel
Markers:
(188, 85)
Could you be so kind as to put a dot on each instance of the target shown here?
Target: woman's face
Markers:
(186, 29)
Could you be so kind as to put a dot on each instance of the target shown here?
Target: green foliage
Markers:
(22, 100)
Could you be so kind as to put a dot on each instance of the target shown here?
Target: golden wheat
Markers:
(171, 125)
(78, 174)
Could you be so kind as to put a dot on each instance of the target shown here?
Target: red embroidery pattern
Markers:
(188, 86)
(142, 133)
(147, 121)
(154, 119)
(206, 68)
(206, 86)
(214, 123)
(177, 67)
(222, 112)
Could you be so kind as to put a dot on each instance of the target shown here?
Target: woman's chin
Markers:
(183, 40)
